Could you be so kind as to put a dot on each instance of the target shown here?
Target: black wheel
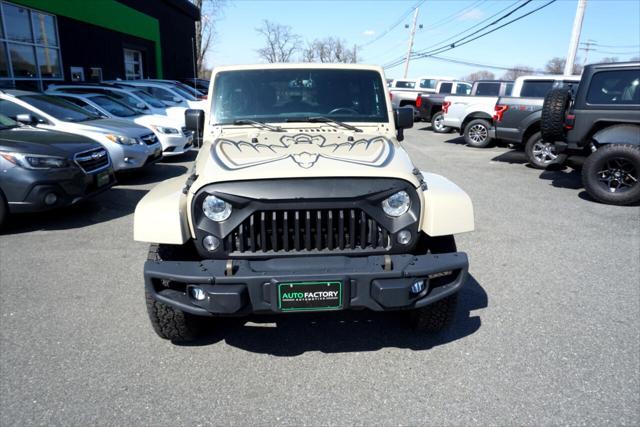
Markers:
(554, 109)
(437, 123)
(169, 323)
(476, 133)
(611, 174)
(4, 210)
(542, 154)
(439, 315)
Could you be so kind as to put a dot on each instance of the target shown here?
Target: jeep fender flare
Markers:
(447, 208)
(618, 134)
(161, 215)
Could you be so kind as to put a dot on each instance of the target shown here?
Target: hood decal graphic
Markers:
(304, 150)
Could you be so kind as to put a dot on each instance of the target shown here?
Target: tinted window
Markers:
(114, 107)
(535, 88)
(446, 88)
(184, 94)
(49, 61)
(82, 104)
(277, 95)
(10, 109)
(126, 99)
(405, 84)
(6, 122)
(508, 89)
(161, 94)
(463, 89)
(23, 60)
(615, 87)
(428, 83)
(148, 99)
(16, 20)
(44, 28)
(4, 67)
(58, 108)
(487, 89)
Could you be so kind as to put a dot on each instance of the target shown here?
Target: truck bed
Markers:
(521, 118)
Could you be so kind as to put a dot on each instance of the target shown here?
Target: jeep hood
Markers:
(302, 153)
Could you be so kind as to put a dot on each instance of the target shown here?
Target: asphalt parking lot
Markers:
(547, 331)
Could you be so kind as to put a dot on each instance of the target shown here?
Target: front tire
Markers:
(611, 174)
(476, 133)
(437, 124)
(168, 322)
(542, 154)
(438, 316)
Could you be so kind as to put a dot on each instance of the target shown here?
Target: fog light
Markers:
(211, 243)
(404, 237)
(198, 294)
(128, 160)
(50, 199)
(417, 287)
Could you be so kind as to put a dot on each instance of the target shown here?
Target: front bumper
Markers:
(252, 285)
(174, 145)
(128, 157)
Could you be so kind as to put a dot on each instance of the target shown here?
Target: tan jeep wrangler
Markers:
(301, 199)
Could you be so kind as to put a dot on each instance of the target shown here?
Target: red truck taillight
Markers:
(419, 101)
(499, 111)
(445, 106)
(569, 121)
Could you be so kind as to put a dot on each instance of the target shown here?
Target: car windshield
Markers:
(59, 108)
(284, 94)
(148, 99)
(186, 94)
(7, 123)
(114, 107)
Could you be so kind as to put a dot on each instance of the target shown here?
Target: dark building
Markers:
(49, 41)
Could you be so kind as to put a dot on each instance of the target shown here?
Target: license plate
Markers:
(310, 296)
(102, 179)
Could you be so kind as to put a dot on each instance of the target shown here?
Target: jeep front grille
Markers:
(307, 230)
(92, 160)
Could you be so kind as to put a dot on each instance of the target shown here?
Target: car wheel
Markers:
(553, 115)
(542, 154)
(438, 316)
(611, 174)
(168, 322)
(437, 123)
(476, 133)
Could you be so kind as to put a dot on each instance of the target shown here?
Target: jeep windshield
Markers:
(284, 95)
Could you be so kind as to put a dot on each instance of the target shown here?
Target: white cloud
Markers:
(368, 33)
(471, 15)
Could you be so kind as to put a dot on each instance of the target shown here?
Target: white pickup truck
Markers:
(472, 115)
(405, 92)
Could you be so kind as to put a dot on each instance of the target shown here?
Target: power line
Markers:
(393, 26)
(495, 67)
(474, 26)
(458, 43)
(455, 15)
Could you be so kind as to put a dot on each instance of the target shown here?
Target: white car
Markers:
(174, 137)
(171, 94)
(131, 96)
(130, 146)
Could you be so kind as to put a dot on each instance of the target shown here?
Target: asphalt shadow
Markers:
(151, 174)
(112, 204)
(189, 156)
(563, 178)
(342, 332)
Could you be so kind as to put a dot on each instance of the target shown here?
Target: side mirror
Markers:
(194, 121)
(27, 119)
(403, 118)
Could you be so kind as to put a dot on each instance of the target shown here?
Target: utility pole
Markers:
(575, 38)
(413, 33)
(587, 49)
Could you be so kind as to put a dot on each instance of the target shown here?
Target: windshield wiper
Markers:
(257, 124)
(323, 119)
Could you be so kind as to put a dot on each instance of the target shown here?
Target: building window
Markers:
(29, 47)
(132, 64)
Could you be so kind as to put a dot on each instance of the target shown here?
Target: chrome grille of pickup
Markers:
(149, 139)
(92, 160)
(323, 230)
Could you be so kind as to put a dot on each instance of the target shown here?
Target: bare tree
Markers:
(281, 42)
(329, 49)
(635, 59)
(556, 66)
(517, 71)
(479, 75)
(210, 11)
(609, 60)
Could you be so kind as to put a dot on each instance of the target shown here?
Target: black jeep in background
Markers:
(602, 121)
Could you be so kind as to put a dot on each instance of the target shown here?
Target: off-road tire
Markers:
(437, 316)
(554, 109)
(168, 322)
(437, 118)
(597, 162)
(536, 159)
(476, 133)
(4, 210)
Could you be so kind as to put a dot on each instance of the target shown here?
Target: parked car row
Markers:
(66, 144)
(595, 116)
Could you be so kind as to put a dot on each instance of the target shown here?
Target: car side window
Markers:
(463, 89)
(82, 104)
(446, 88)
(428, 83)
(11, 110)
(488, 89)
(160, 93)
(615, 87)
(536, 88)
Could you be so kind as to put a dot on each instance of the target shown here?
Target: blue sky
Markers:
(530, 41)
